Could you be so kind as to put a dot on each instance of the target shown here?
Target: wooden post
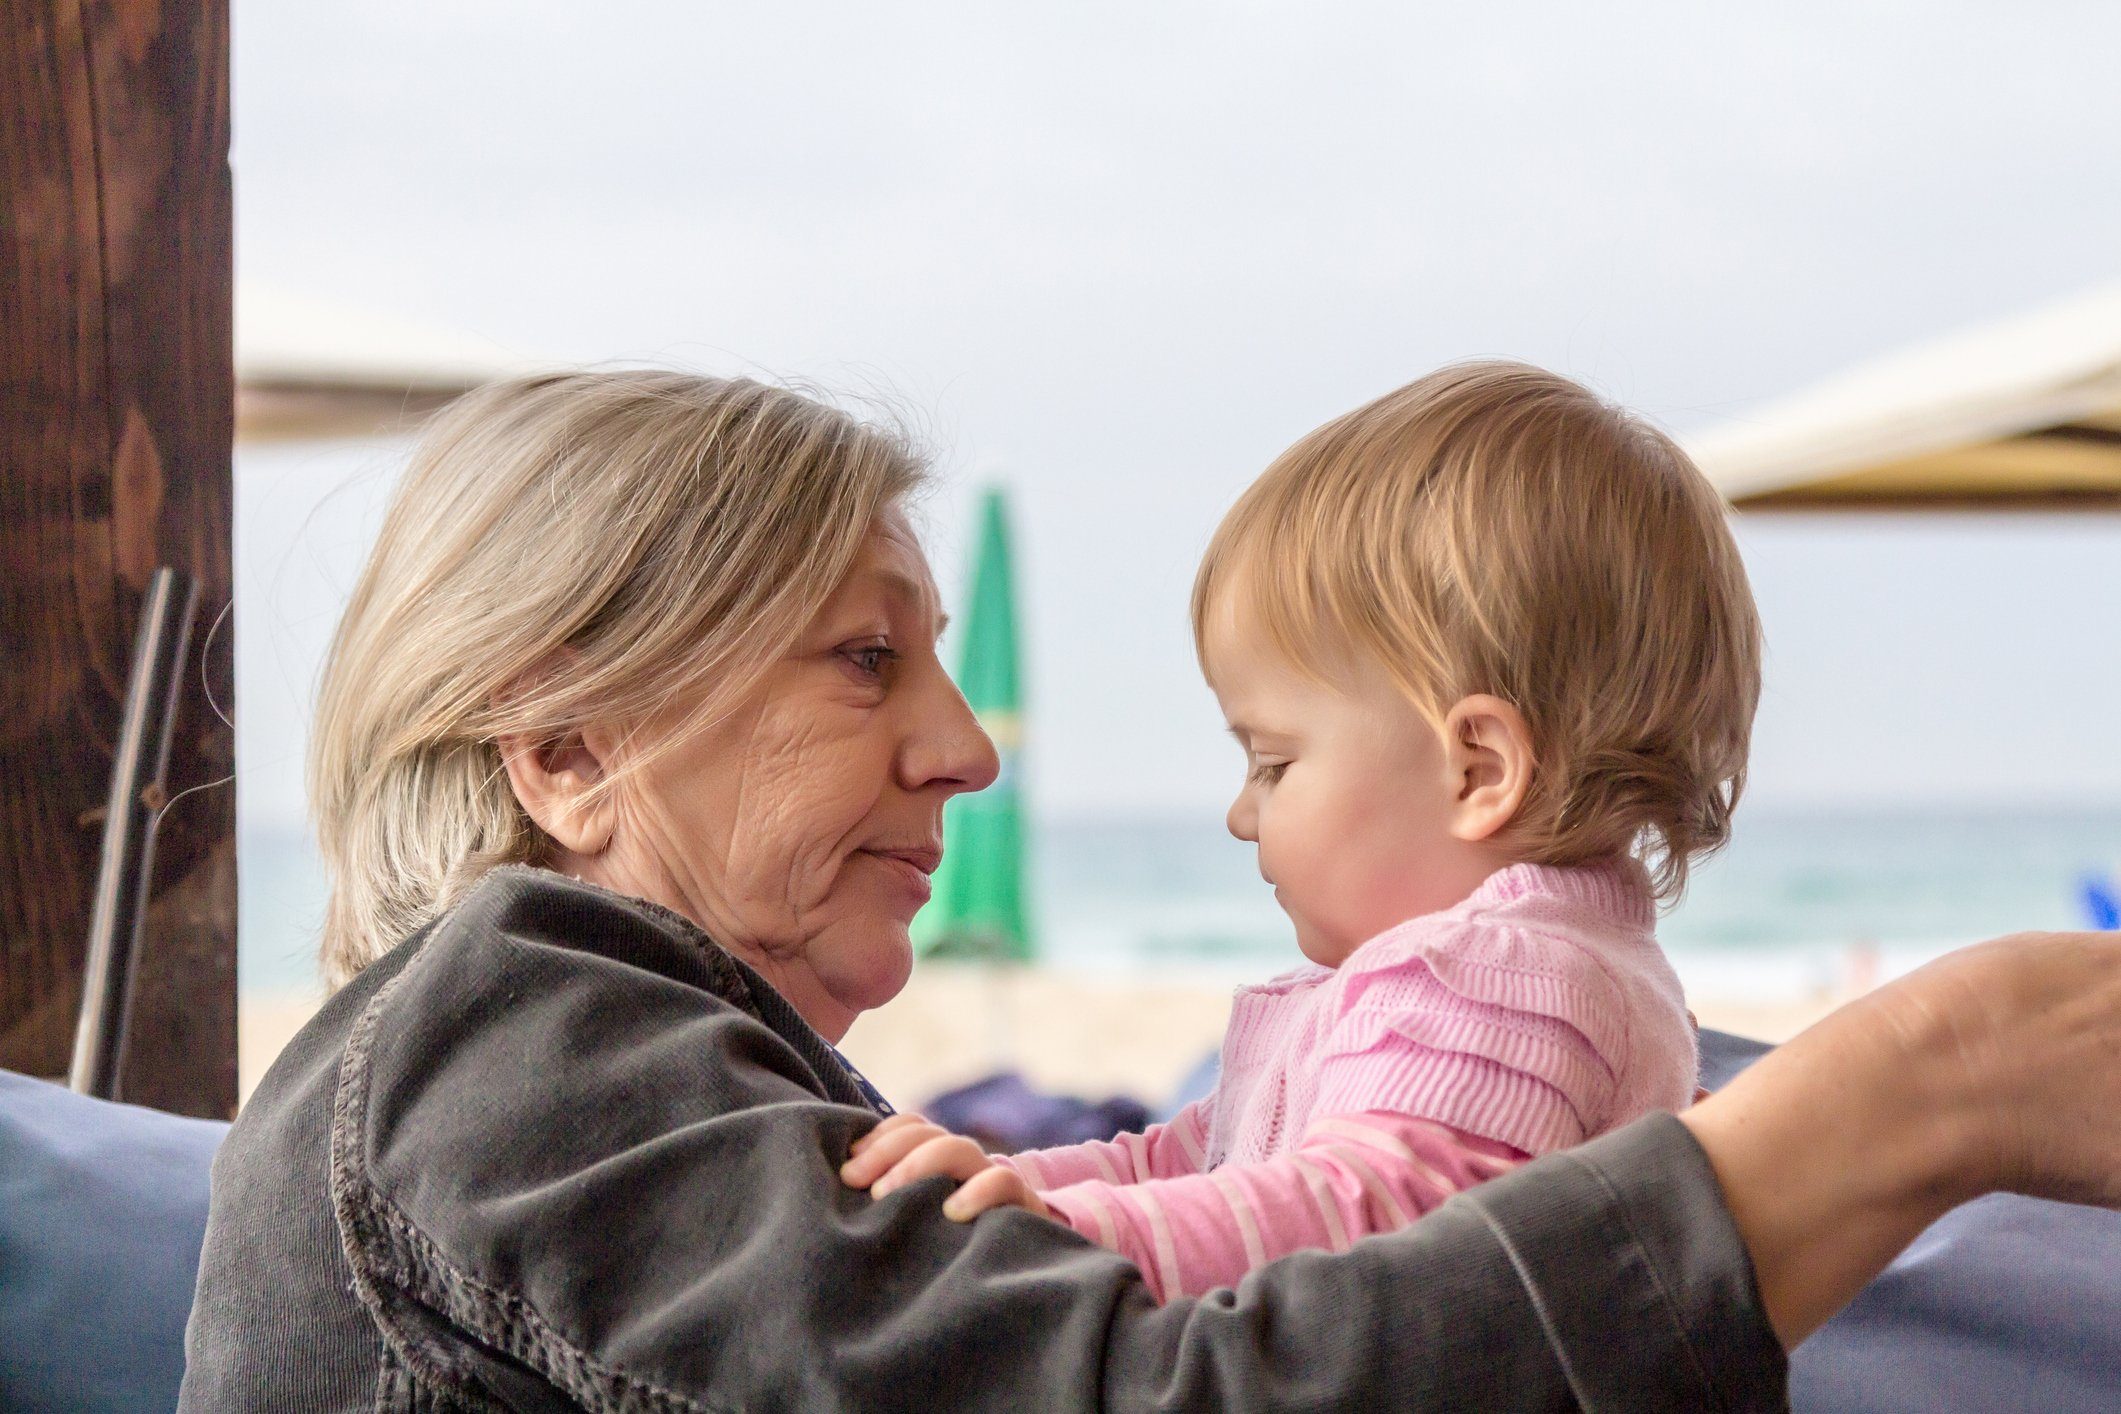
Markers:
(116, 297)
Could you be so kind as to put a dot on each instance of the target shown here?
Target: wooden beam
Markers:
(116, 298)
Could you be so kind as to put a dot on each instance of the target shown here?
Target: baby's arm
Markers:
(1430, 1088)
(1350, 1177)
(907, 1147)
(1168, 1150)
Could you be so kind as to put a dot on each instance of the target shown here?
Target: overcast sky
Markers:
(1117, 256)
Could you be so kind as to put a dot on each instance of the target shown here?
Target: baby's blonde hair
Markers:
(1495, 528)
(596, 546)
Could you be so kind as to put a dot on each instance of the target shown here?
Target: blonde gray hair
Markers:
(595, 546)
(1495, 528)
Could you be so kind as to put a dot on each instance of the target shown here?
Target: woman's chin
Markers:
(883, 967)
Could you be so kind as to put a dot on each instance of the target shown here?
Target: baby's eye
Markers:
(1266, 773)
(869, 660)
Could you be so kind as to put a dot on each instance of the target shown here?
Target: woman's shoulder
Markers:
(532, 1001)
(544, 1027)
(547, 922)
(532, 968)
(528, 971)
(541, 1063)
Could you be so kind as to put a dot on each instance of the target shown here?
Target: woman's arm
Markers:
(1997, 1067)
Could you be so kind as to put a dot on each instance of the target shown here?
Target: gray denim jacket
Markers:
(559, 1151)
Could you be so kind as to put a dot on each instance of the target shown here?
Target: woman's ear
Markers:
(555, 780)
(1490, 759)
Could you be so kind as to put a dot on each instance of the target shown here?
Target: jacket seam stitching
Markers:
(357, 1205)
(513, 1306)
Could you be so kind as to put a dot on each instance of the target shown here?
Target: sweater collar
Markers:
(1616, 889)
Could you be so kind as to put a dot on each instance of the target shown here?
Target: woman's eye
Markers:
(1266, 773)
(870, 660)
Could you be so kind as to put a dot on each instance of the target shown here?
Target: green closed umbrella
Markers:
(978, 907)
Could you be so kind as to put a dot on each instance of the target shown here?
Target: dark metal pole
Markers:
(138, 792)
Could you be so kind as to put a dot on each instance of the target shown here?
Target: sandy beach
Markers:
(1082, 1033)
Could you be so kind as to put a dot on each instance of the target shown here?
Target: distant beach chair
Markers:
(2102, 901)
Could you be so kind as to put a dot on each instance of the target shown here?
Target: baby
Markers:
(1489, 650)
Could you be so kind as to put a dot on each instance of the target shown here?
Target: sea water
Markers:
(1799, 902)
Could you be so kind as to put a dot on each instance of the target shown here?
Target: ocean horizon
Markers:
(1800, 901)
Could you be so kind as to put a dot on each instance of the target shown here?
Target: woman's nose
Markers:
(947, 746)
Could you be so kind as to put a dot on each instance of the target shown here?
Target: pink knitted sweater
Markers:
(1535, 1014)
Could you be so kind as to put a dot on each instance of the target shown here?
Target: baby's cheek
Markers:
(1373, 888)
(1330, 904)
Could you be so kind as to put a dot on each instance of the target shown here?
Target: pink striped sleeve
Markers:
(1351, 1177)
(1162, 1151)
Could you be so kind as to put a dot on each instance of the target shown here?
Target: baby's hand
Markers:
(906, 1148)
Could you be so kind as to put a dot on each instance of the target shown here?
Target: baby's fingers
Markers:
(945, 1156)
(998, 1187)
(882, 1147)
(888, 1125)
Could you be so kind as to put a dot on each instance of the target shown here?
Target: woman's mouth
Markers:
(911, 867)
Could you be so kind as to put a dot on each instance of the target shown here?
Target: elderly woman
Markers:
(629, 767)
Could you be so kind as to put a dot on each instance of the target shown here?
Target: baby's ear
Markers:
(1490, 759)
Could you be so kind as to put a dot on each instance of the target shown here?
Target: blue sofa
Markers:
(2004, 1304)
(102, 1209)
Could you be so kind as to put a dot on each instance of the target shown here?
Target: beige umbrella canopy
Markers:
(306, 368)
(2022, 412)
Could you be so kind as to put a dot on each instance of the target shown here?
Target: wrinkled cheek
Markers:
(782, 878)
(765, 880)
(805, 795)
(775, 844)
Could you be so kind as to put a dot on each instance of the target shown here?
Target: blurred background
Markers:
(1112, 258)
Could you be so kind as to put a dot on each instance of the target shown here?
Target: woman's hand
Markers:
(1997, 1067)
(906, 1148)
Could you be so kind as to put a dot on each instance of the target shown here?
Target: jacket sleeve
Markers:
(558, 1174)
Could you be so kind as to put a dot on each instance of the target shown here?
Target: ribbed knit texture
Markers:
(1537, 1013)
(1534, 1015)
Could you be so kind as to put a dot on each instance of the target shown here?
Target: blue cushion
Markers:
(2007, 1303)
(102, 1209)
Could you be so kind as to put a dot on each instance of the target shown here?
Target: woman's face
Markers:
(800, 832)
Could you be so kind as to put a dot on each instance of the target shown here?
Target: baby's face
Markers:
(1349, 792)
